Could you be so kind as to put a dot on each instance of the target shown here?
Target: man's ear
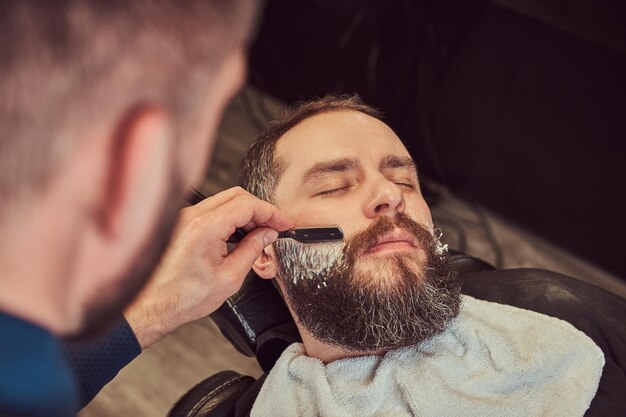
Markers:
(138, 175)
(265, 265)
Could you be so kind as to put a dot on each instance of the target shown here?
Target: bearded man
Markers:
(384, 327)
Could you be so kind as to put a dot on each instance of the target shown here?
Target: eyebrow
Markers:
(348, 164)
(394, 161)
(329, 167)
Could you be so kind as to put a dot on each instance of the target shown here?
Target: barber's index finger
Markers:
(206, 204)
(242, 210)
(242, 205)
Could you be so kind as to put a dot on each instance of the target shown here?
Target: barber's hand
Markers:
(197, 274)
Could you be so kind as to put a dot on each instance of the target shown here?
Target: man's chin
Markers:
(106, 311)
(95, 324)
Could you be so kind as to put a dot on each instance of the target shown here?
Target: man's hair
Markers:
(69, 67)
(261, 167)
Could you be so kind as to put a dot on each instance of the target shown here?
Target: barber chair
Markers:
(256, 321)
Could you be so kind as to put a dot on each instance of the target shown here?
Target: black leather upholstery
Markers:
(215, 396)
(254, 309)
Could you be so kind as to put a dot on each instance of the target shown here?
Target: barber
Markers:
(108, 110)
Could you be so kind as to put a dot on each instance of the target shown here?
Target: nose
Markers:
(386, 199)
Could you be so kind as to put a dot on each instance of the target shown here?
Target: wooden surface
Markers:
(161, 374)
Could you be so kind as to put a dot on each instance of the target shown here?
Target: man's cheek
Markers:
(418, 210)
(325, 212)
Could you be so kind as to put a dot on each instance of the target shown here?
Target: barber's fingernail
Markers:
(270, 237)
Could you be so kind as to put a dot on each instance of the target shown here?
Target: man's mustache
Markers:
(365, 240)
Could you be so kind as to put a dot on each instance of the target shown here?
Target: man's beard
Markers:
(406, 299)
(113, 298)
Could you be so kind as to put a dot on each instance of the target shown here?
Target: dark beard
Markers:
(366, 311)
(112, 300)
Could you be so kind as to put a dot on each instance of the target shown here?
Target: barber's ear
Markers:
(126, 181)
(265, 265)
(139, 175)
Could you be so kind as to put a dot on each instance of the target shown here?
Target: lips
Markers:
(394, 240)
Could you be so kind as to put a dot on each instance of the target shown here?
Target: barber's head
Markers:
(108, 111)
(334, 162)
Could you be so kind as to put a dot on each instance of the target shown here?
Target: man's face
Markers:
(386, 286)
(347, 168)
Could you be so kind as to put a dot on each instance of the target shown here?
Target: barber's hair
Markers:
(261, 167)
(69, 67)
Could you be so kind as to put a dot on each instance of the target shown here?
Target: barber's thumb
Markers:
(250, 248)
(270, 237)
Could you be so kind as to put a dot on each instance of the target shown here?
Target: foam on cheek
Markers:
(300, 261)
(317, 262)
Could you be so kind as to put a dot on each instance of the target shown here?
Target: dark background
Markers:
(519, 106)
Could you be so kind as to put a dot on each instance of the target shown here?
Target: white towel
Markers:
(493, 360)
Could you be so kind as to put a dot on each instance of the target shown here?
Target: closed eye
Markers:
(334, 191)
(405, 185)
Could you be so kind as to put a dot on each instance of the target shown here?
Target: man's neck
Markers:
(30, 267)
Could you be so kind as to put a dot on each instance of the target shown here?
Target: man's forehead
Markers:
(337, 134)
